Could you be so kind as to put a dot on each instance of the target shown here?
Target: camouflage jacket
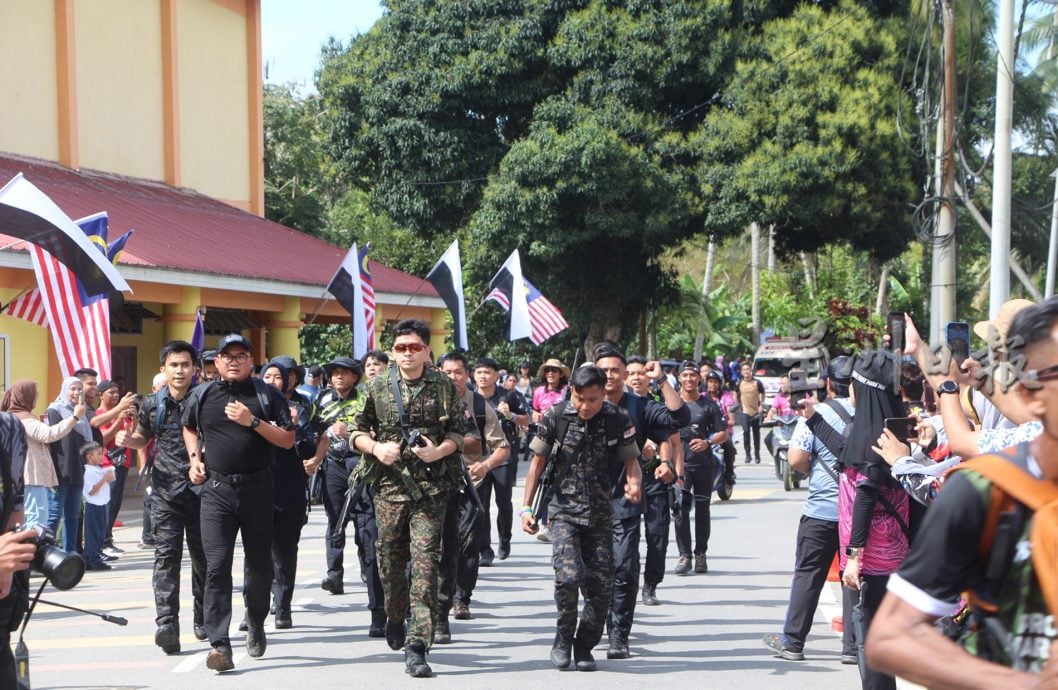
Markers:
(436, 410)
(584, 496)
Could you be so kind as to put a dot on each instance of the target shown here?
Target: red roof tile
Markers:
(180, 228)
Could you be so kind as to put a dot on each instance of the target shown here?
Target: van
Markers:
(775, 358)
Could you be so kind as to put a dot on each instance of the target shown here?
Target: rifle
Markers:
(466, 537)
(352, 497)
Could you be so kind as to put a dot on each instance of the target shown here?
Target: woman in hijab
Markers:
(66, 455)
(872, 507)
(39, 471)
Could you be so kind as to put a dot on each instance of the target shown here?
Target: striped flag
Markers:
(368, 288)
(29, 307)
(80, 322)
(545, 320)
(348, 288)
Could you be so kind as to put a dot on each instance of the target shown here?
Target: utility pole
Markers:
(943, 289)
(707, 288)
(999, 284)
(754, 266)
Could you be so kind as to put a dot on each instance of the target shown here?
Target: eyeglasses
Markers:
(408, 347)
(240, 357)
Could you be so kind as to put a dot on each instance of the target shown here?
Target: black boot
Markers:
(560, 651)
(395, 634)
(618, 646)
(378, 624)
(442, 632)
(415, 660)
(582, 655)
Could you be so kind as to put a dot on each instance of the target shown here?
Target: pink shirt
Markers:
(543, 398)
(886, 544)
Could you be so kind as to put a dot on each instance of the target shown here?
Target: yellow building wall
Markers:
(119, 86)
(214, 100)
(25, 353)
(29, 116)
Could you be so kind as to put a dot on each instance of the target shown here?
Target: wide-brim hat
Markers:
(349, 363)
(553, 364)
(1003, 319)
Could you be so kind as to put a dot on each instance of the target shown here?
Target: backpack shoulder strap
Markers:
(479, 414)
(160, 400)
(841, 412)
(200, 400)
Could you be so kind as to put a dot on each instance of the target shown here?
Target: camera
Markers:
(414, 438)
(64, 570)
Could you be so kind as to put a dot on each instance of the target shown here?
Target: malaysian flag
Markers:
(80, 322)
(347, 286)
(545, 320)
(368, 288)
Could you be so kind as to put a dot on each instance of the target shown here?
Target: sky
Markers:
(293, 32)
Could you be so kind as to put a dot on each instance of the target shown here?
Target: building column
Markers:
(178, 320)
(283, 330)
(438, 331)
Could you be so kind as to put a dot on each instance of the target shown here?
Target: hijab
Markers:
(64, 407)
(283, 373)
(875, 383)
(20, 398)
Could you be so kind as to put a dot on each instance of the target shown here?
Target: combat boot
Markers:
(395, 634)
(378, 624)
(167, 636)
(650, 594)
(256, 641)
(585, 661)
(200, 629)
(700, 566)
(442, 632)
(220, 659)
(283, 619)
(618, 646)
(560, 651)
(415, 660)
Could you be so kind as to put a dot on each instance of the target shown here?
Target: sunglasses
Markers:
(408, 347)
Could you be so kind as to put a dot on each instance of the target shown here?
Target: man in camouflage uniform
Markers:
(484, 449)
(596, 440)
(411, 477)
(175, 501)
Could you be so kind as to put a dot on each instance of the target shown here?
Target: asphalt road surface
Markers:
(705, 634)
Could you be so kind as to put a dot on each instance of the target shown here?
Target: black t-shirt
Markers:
(944, 562)
(516, 403)
(653, 420)
(171, 464)
(706, 420)
(231, 448)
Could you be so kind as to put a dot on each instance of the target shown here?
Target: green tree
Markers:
(295, 161)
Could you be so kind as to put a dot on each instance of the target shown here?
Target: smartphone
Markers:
(902, 427)
(957, 334)
(894, 325)
(81, 398)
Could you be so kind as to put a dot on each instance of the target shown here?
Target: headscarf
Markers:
(20, 398)
(64, 407)
(875, 382)
(282, 373)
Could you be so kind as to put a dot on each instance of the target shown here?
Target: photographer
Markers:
(15, 553)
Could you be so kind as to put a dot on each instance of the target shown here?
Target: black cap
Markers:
(233, 339)
(688, 364)
(840, 369)
(209, 355)
(349, 363)
(104, 386)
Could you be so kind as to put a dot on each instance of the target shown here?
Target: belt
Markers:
(241, 479)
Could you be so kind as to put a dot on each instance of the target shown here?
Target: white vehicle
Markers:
(775, 358)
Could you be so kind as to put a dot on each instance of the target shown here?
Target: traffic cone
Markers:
(833, 574)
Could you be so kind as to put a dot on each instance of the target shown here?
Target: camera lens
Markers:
(65, 570)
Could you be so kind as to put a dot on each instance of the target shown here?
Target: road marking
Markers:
(96, 666)
(190, 663)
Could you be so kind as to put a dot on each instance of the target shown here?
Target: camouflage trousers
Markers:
(173, 519)
(411, 532)
(582, 556)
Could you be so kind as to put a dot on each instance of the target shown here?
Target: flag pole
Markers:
(24, 291)
(412, 296)
(319, 306)
(478, 308)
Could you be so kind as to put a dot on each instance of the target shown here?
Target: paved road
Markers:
(706, 633)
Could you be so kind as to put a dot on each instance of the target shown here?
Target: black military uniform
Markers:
(581, 515)
(236, 497)
(700, 472)
(654, 421)
(175, 507)
(501, 480)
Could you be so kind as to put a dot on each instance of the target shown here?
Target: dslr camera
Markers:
(64, 570)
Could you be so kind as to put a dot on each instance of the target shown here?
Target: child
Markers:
(97, 499)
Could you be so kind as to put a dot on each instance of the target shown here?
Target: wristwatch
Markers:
(254, 422)
(853, 551)
(948, 386)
